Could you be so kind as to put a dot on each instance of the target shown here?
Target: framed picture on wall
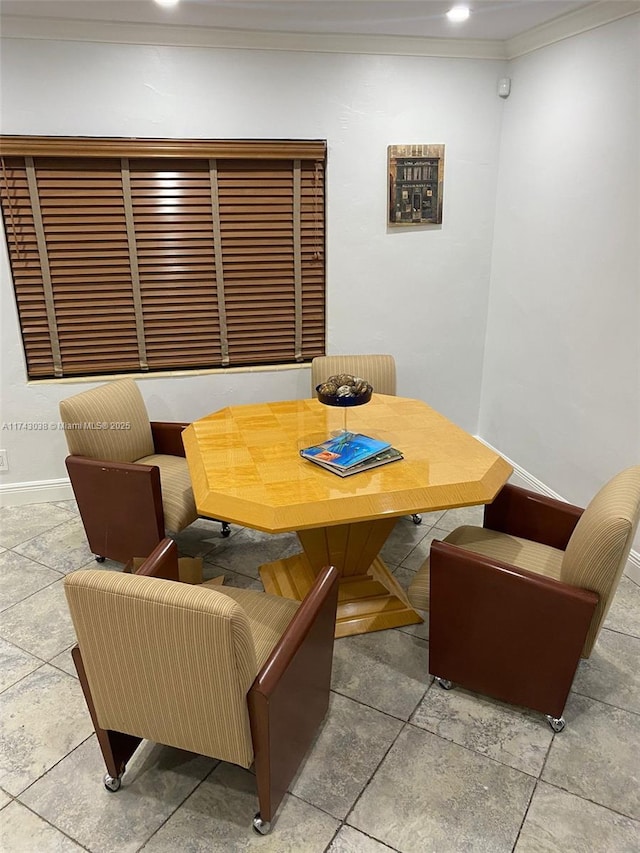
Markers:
(416, 177)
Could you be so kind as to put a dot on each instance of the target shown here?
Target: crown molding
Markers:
(572, 24)
(56, 29)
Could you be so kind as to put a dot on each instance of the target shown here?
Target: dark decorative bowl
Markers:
(334, 400)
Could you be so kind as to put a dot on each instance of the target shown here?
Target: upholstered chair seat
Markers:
(513, 605)
(178, 503)
(514, 550)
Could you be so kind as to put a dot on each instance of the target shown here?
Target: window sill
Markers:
(170, 374)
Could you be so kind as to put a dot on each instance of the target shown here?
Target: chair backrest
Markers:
(112, 405)
(378, 370)
(597, 552)
(166, 661)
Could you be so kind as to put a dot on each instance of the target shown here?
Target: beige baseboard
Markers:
(36, 492)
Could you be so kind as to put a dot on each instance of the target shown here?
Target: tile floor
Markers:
(399, 764)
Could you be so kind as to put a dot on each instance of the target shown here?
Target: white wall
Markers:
(561, 381)
(421, 294)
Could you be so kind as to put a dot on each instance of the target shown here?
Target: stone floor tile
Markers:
(157, 780)
(462, 515)
(387, 670)
(624, 615)
(612, 673)
(63, 548)
(217, 819)
(414, 560)
(21, 577)
(15, 663)
(43, 716)
(421, 630)
(433, 795)
(513, 736)
(403, 575)
(249, 549)
(64, 661)
(70, 505)
(231, 578)
(22, 831)
(20, 523)
(402, 540)
(349, 747)
(350, 840)
(5, 799)
(201, 537)
(40, 624)
(596, 756)
(559, 822)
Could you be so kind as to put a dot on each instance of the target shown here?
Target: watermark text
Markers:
(58, 426)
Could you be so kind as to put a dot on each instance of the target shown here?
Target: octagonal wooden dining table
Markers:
(246, 468)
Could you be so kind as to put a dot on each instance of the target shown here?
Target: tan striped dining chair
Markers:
(513, 605)
(378, 369)
(233, 674)
(129, 475)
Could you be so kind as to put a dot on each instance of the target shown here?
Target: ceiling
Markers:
(490, 19)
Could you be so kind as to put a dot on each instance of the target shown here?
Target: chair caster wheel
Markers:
(556, 723)
(262, 827)
(444, 683)
(112, 783)
(100, 559)
(417, 519)
(226, 530)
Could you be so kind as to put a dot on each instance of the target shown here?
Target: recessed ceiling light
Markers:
(458, 13)
(167, 2)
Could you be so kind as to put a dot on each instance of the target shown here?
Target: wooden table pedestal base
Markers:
(372, 601)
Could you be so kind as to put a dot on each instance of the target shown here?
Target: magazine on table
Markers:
(382, 458)
(344, 451)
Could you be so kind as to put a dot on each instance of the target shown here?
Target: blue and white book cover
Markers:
(346, 449)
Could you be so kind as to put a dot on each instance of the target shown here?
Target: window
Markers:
(138, 255)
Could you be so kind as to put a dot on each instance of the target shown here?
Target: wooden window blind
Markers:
(138, 255)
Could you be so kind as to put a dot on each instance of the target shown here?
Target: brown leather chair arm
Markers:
(167, 437)
(162, 562)
(530, 515)
(290, 696)
(120, 504)
(505, 631)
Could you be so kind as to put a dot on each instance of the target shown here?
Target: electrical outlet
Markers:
(4, 462)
